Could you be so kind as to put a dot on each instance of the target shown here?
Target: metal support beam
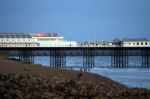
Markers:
(119, 57)
(26, 56)
(145, 57)
(88, 58)
(58, 58)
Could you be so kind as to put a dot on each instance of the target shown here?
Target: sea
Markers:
(132, 76)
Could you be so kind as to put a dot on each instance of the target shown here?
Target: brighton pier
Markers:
(26, 45)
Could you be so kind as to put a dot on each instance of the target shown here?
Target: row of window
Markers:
(48, 39)
(139, 43)
(1, 40)
(19, 45)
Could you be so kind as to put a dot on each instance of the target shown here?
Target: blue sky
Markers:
(79, 20)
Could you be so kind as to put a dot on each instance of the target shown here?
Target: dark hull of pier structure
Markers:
(119, 55)
(78, 53)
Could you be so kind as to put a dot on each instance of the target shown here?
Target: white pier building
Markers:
(36, 40)
(56, 40)
(140, 42)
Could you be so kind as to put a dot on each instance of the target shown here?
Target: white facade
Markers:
(95, 44)
(18, 42)
(69, 44)
(22, 40)
(136, 43)
(55, 40)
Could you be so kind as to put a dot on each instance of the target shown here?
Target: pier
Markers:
(57, 55)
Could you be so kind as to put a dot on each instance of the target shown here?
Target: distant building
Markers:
(36, 40)
(103, 44)
(140, 42)
(95, 44)
(17, 40)
(116, 43)
(56, 40)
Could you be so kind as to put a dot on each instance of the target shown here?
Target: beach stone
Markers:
(3, 77)
(3, 90)
(28, 96)
(19, 94)
(2, 84)
(23, 86)
(73, 92)
(45, 85)
(7, 96)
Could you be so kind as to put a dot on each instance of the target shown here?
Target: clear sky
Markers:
(79, 20)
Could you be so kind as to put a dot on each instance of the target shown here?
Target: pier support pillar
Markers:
(26, 56)
(88, 58)
(58, 58)
(119, 57)
(145, 57)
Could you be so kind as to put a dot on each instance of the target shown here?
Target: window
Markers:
(145, 43)
(137, 43)
(96, 44)
(133, 43)
(52, 39)
(141, 43)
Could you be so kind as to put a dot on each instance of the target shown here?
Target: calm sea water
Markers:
(132, 77)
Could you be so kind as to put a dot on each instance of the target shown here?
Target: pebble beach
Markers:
(30, 81)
